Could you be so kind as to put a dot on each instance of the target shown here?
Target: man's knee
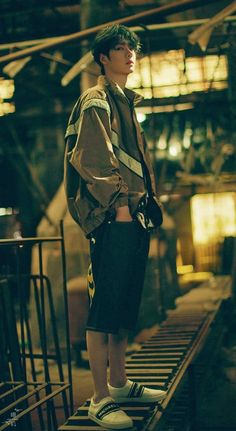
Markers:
(96, 337)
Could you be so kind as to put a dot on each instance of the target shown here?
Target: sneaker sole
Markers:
(126, 425)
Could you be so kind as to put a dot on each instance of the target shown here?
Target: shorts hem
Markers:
(107, 331)
(104, 330)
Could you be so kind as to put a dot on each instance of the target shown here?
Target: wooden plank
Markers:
(171, 342)
(147, 375)
(148, 372)
(180, 323)
(164, 348)
(167, 350)
(169, 338)
(167, 355)
(191, 329)
(172, 339)
(156, 360)
(128, 408)
(175, 328)
(161, 368)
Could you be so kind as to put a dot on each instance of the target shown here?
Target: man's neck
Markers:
(118, 79)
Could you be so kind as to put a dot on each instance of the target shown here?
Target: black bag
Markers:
(149, 212)
(153, 211)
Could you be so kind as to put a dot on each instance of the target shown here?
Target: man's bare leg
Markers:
(117, 348)
(97, 345)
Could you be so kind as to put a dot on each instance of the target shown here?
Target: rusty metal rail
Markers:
(19, 407)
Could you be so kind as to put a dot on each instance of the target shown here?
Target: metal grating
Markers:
(158, 364)
(167, 360)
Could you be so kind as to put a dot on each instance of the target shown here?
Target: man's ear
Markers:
(103, 59)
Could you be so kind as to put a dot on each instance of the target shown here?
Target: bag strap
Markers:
(130, 162)
(127, 160)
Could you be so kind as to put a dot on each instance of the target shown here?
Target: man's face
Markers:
(121, 59)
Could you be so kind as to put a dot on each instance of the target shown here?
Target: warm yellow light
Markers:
(7, 89)
(184, 269)
(6, 108)
(175, 148)
(165, 108)
(169, 74)
(6, 211)
(187, 136)
(162, 143)
(213, 217)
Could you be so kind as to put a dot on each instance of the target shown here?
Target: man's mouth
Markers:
(130, 62)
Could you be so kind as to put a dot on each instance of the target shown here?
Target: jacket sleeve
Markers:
(94, 159)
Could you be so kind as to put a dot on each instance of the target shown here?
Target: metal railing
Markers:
(18, 355)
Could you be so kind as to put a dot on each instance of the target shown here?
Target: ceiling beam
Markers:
(203, 33)
(176, 6)
(137, 29)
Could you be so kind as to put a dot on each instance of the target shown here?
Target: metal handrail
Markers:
(42, 286)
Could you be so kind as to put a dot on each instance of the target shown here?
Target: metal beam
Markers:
(137, 29)
(203, 33)
(177, 6)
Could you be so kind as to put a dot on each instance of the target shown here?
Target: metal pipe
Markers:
(176, 25)
(11, 391)
(66, 311)
(137, 29)
(44, 342)
(206, 29)
(177, 6)
(56, 342)
(32, 363)
(11, 406)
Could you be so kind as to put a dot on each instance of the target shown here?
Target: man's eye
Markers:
(118, 48)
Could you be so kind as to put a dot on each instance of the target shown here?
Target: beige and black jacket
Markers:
(106, 160)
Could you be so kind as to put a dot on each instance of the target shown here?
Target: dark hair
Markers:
(109, 37)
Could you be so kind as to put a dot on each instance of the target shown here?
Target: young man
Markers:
(108, 177)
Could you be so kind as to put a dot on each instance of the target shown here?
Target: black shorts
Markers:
(119, 252)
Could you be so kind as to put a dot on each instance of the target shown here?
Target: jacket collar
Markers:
(133, 97)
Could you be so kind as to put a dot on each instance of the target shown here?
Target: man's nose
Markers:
(128, 52)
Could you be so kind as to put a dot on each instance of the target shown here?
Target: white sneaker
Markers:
(109, 415)
(134, 392)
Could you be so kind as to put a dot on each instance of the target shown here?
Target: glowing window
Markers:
(169, 74)
(213, 217)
